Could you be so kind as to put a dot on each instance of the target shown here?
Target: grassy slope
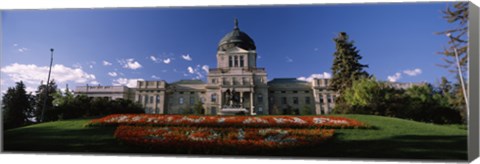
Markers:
(392, 138)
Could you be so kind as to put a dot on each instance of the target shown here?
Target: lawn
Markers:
(390, 138)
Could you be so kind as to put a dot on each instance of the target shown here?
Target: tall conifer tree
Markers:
(346, 67)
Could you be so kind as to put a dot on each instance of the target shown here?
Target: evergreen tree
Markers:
(40, 98)
(457, 15)
(16, 106)
(346, 66)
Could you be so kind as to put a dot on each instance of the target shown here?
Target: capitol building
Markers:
(236, 85)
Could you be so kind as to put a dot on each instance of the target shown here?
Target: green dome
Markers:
(236, 38)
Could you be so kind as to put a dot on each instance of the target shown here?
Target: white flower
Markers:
(320, 120)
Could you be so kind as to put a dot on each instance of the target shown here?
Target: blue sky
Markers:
(119, 46)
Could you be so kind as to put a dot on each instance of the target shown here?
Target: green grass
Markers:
(391, 138)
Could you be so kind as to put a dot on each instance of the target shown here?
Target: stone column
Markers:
(251, 103)
(241, 99)
(220, 99)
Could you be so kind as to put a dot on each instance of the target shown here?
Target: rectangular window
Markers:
(192, 93)
(321, 99)
(214, 111)
(295, 91)
(145, 100)
(181, 92)
(158, 99)
(241, 61)
(307, 100)
(307, 91)
(260, 98)
(151, 99)
(329, 100)
(214, 98)
(139, 99)
(284, 100)
(213, 81)
(236, 61)
(192, 100)
(283, 91)
(230, 61)
(180, 100)
(272, 92)
(295, 100)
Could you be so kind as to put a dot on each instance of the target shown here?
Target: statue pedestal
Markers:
(232, 111)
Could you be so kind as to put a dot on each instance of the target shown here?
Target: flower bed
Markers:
(211, 139)
(228, 121)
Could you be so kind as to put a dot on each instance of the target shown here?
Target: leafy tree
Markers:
(306, 110)
(50, 114)
(198, 108)
(346, 66)
(16, 106)
(365, 96)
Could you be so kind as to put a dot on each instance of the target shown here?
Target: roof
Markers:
(189, 82)
(286, 81)
(236, 38)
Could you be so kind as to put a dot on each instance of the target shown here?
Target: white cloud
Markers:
(153, 58)
(325, 75)
(106, 63)
(15, 45)
(94, 82)
(77, 65)
(31, 90)
(23, 49)
(190, 70)
(167, 61)
(259, 57)
(395, 77)
(33, 74)
(205, 68)
(91, 66)
(130, 63)
(414, 72)
(155, 77)
(315, 49)
(126, 82)
(113, 74)
(289, 59)
(187, 57)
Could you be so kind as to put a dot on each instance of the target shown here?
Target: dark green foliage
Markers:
(306, 110)
(68, 106)
(346, 66)
(16, 107)
(50, 113)
(420, 103)
(198, 108)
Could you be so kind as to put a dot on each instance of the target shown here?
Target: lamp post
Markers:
(449, 35)
(47, 87)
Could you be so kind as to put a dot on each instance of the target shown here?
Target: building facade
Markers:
(236, 75)
(109, 92)
(236, 85)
